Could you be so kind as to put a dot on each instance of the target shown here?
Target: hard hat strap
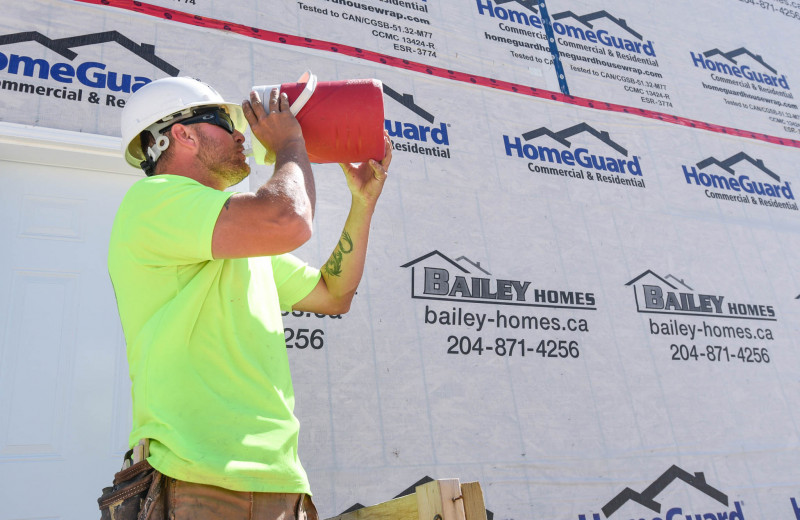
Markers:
(153, 153)
(162, 143)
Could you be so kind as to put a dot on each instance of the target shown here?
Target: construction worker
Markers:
(201, 276)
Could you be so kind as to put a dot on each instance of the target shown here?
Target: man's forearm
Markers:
(343, 270)
(342, 273)
(290, 190)
(292, 180)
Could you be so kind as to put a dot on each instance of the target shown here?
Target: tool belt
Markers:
(137, 490)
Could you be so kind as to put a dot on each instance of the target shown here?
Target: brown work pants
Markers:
(189, 501)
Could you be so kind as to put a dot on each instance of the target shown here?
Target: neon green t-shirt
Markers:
(210, 374)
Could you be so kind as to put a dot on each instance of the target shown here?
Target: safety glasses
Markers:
(214, 116)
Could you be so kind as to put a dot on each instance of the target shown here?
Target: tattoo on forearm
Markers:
(334, 265)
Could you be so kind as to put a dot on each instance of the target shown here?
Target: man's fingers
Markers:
(247, 108)
(273, 101)
(378, 170)
(387, 154)
(284, 106)
(254, 108)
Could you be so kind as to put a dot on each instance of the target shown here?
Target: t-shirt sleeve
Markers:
(171, 219)
(294, 279)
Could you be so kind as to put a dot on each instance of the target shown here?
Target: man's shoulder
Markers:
(167, 218)
(163, 189)
(163, 181)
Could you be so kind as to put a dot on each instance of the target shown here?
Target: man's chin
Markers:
(243, 173)
(245, 166)
(236, 175)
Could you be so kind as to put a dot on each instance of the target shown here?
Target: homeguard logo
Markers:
(418, 133)
(728, 63)
(436, 277)
(658, 295)
(647, 498)
(586, 32)
(732, 178)
(92, 74)
(528, 18)
(597, 165)
(492, 9)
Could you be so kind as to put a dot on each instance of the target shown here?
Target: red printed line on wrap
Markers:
(347, 50)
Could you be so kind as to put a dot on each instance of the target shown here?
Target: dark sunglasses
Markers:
(215, 116)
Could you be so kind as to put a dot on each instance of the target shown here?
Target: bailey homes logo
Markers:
(435, 276)
(420, 138)
(670, 295)
(67, 78)
(647, 498)
(744, 68)
(583, 28)
(735, 179)
(582, 162)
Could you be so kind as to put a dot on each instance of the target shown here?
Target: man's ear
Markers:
(184, 136)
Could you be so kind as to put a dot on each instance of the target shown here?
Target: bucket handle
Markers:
(261, 90)
(311, 85)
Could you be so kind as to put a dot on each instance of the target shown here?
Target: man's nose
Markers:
(238, 136)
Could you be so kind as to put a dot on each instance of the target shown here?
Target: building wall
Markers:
(581, 291)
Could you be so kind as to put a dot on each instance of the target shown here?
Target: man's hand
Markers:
(366, 180)
(274, 125)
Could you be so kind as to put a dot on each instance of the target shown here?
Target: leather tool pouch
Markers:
(137, 494)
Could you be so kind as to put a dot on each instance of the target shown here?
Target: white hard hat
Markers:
(164, 102)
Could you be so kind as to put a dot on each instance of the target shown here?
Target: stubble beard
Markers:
(225, 162)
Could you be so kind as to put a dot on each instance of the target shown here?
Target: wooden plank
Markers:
(440, 498)
(403, 508)
(474, 506)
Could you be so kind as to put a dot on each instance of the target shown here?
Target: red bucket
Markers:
(342, 121)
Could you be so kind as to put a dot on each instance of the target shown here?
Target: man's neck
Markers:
(195, 171)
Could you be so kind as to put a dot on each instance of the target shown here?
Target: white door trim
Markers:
(63, 148)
